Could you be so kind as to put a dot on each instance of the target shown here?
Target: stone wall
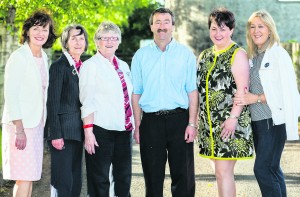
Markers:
(192, 15)
(294, 51)
(8, 43)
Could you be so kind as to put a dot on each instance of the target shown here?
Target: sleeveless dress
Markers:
(216, 88)
(25, 164)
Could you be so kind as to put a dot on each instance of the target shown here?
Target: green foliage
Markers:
(87, 13)
(292, 41)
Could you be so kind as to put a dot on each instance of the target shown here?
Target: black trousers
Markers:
(114, 148)
(66, 169)
(162, 138)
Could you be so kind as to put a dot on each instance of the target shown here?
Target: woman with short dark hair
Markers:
(64, 126)
(224, 128)
(25, 94)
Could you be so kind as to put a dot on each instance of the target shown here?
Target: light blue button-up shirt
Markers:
(163, 78)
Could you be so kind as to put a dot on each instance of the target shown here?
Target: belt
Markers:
(167, 112)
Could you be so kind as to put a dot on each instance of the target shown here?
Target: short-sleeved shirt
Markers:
(163, 78)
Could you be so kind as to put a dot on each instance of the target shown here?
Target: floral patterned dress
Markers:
(216, 88)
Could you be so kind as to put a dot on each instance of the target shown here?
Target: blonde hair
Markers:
(267, 19)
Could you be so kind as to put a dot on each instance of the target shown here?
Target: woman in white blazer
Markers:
(273, 99)
(25, 94)
(105, 93)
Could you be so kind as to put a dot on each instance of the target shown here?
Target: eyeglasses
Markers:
(108, 38)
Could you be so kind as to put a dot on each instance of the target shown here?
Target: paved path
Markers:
(245, 181)
(205, 181)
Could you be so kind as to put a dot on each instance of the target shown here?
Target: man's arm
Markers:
(137, 114)
(191, 129)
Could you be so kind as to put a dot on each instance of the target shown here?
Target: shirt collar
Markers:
(69, 58)
(169, 45)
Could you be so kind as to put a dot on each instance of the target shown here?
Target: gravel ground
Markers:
(205, 180)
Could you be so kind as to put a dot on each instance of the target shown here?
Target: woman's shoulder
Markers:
(277, 51)
(92, 60)
(206, 52)
(19, 52)
(60, 62)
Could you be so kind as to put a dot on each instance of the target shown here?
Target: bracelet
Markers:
(88, 126)
(233, 116)
(20, 132)
(192, 125)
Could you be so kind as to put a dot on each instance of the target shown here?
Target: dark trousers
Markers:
(162, 138)
(269, 142)
(114, 148)
(66, 169)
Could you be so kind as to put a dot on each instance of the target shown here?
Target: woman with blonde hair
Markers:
(273, 98)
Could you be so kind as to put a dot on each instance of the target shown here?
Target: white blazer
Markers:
(101, 92)
(278, 79)
(23, 94)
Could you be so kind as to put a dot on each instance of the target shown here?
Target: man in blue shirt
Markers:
(165, 107)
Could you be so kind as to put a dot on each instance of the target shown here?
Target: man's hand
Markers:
(190, 134)
(136, 135)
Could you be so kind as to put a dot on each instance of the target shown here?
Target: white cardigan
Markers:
(280, 88)
(101, 92)
(23, 94)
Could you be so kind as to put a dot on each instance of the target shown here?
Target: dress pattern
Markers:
(25, 164)
(216, 88)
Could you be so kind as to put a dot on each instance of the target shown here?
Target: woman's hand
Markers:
(20, 140)
(58, 144)
(245, 99)
(228, 128)
(90, 141)
(20, 135)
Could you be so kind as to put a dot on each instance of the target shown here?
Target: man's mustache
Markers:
(162, 30)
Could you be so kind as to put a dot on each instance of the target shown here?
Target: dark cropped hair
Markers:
(222, 15)
(66, 35)
(40, 18)
(162, 10)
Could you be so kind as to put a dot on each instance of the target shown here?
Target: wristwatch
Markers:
(258, 99)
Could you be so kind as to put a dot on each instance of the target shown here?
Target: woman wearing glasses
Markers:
(105, 94)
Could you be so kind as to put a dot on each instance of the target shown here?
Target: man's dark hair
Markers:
(162, 10)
